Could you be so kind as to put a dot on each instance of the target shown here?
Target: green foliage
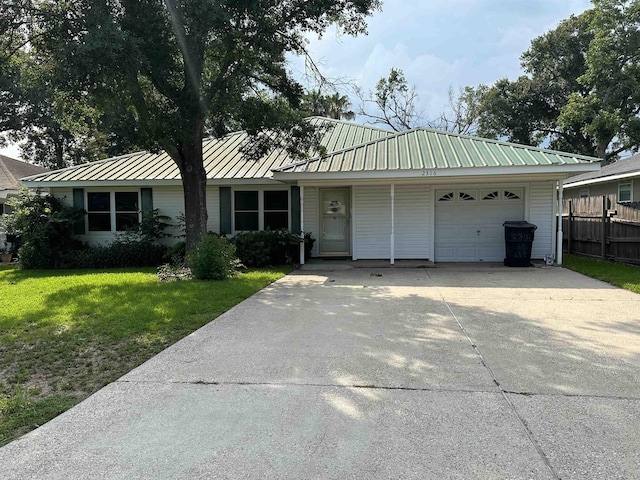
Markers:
(45, 225)
(121, 253)
(213, 259)
(270, 247)
(176, 253)
(581, 91)
(72, 332)
(336, 106)
(182, 70)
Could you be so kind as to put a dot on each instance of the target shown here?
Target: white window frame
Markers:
(260, 190)
(630, 183)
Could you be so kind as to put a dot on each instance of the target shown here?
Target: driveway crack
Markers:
(504, 392)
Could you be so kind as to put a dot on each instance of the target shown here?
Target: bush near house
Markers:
(45, 225)
(271, 247)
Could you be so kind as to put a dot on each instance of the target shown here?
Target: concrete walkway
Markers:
(466, 372)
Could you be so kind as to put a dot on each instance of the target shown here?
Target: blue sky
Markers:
(437, 44)
(441, 43)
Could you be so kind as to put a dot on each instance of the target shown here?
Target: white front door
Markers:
(469, 222)
(334, 222)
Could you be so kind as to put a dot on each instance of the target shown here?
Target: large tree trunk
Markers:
(188, 157)
(194, 184)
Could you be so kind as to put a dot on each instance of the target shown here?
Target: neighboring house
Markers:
(621, 178)
(420, 194)
(11, 171)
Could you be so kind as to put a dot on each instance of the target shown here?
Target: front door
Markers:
(334, 222)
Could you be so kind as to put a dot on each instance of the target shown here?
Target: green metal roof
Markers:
(222, 158)
(352, 149)
(426, 149)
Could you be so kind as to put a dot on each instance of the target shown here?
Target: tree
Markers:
(464, 111)
(393, 103)
(194, 67)
(581, 91)
(336, 106)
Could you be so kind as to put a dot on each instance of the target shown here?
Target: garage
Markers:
(468, 222)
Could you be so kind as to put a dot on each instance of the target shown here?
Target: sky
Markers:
(437, 43)
(440, 44)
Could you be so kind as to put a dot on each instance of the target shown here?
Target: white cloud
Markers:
(441, 44)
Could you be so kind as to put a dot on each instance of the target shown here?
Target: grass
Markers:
(623, 276)
(65, 334)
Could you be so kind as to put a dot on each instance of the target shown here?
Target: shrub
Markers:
(213, 259)
(271, 247)
(119, 254)
(45, 227)
(176, 253)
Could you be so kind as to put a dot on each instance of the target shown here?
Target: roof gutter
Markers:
(609, 178)
(434, 173)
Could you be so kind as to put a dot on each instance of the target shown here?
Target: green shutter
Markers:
(146, 207)
(295, 209)
(146, 200)
(225, 210)
(78, 202)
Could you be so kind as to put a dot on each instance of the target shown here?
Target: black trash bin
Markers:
(518, 238)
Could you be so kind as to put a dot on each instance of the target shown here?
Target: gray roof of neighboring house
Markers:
(12, 170)
(222, 157)
(424, 148)
(626, 166)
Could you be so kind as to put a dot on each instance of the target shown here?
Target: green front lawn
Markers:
(623, 276)
(65, 334)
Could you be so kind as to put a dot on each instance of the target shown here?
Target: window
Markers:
(261, 210)
(491, 195)
(513, 195)
(247, 211)
(466, 197)
(447, 197)
(99, 211)
(126, 210)
(625, 192)
(584, 193)
(276, 209)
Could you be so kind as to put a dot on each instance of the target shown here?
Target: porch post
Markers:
(302, 224)
(393, 238)
(559, 241)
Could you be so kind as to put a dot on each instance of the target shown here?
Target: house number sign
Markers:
(429, 173)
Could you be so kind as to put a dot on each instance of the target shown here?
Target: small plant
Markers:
(172, 272)
(213, 259)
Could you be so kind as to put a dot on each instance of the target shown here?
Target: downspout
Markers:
(302, 224)
(393, 237)
(559, 240)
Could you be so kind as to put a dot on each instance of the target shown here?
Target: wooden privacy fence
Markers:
(602, 227)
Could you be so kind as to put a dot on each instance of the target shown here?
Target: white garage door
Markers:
(469, 223)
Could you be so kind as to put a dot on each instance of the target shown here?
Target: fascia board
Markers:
(610, 178)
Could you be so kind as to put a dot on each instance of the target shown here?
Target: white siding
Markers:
(412, 221)
(65, 194)
(373, 221)
(169, 201)
(310, 218)
(541, 214)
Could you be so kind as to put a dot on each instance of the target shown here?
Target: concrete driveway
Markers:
(469, 372)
